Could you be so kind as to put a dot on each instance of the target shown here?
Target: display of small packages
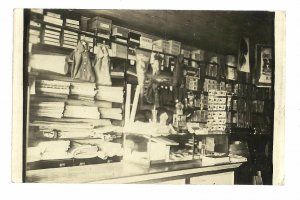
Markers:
(212, 67)
(52, 35)
(192, 77)
(210, 84)
(216, 117)
(70, 39)
(120, 34)
(34, 32)
(101, 25)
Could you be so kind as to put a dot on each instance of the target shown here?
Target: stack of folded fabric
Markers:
(84, 112)
(108, 93)
(111, 113)
(47, 109)
(110, 149)
(58, 89)
(52, 150)
(65, 133)
(83, 91)
(52, 33)
(82, 150)
(48, 63)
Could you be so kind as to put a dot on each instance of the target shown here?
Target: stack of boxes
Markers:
(160, 45)
(34, 32)
(120, 34)
(197, 55)
(212, 67)
(52, 34)
(145, 43)
(72, 21)
(213, 85)
(173, 47)
(133, 43)
(70, 39)
(192, 77)
(100, 25)
(216, 122)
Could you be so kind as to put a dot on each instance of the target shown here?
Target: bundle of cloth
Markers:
(102, 64)
(109, 93)
(85, 112)
(47, 109)
(82, 150)
(83, 91)
(50, 63)
(95, 148)
(50, 150)
(53, 88)
(111, 113)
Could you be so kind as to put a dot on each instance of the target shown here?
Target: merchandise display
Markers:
(101, 94)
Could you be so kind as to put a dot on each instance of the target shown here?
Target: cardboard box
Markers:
(99, 23)
(118, 50)
(198, 55)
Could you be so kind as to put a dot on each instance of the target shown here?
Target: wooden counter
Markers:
(191, 173)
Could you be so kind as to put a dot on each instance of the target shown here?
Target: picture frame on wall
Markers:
(264, 55)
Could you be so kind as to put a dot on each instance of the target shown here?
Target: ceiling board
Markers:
(217, 31)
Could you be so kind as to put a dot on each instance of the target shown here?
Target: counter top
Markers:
(123, 172)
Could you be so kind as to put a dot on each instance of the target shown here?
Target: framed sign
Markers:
(264, 64)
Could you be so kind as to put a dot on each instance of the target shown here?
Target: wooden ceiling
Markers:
(217, 31)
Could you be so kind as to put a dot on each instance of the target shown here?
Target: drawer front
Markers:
(214, 179)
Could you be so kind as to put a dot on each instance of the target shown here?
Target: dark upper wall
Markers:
(217, 31)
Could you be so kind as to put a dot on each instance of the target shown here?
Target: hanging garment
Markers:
(155, 61)
(102, 66)
(178, 72)
(151, 94)
(81, 63)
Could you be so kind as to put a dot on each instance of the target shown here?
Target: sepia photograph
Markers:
(137, 96)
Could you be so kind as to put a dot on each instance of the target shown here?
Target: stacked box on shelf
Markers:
(120, 34)
(70, 39)
(72, 20)
(100, 25)
(133, 43)
(89, 37)
(36, 14)
(52, 33)
(173, 47)
(35, 32)
(185, 53)
(160, 45)
(118, 50)
(197, 55)
(216, 121)
(210, 85)
(146, 43)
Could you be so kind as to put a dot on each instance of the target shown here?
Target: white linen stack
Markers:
(85, 112)
(47, 109)
(109, 93)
